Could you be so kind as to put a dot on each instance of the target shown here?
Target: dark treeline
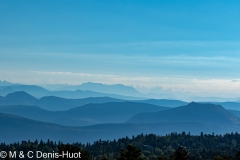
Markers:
(144, 147)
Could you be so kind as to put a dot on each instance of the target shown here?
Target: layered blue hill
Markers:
(54, 103)
(40, 92)
(103, 88)
(15, 129)
(51, 103)
(209, 114)
(164, 102)
(112, 112)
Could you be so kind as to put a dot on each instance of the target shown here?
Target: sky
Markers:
(182, 47)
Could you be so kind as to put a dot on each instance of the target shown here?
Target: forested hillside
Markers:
(172, 146)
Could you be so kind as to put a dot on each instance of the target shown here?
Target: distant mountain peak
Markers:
(20, 95)
(118, 89)
(196, 104)
(191, 103)
(5, 83)
(210, 114)
(101, 84)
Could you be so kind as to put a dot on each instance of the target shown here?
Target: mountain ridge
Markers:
(28, 129)
(40, 92)
(106, 88)
(193, 112)
(89, 114)
(164, 102)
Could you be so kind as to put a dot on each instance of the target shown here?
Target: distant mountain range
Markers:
(5, 83)
(193, 118)
(96, 88)
(56, 103)
(164, 102)
(35, 91)
(92, 111)
(114, 112)
(80, 91)
(103, 88)
(90, 89)
(51, 103)
(40, 92)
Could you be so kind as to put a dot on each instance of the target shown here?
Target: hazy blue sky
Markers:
(190, 47)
